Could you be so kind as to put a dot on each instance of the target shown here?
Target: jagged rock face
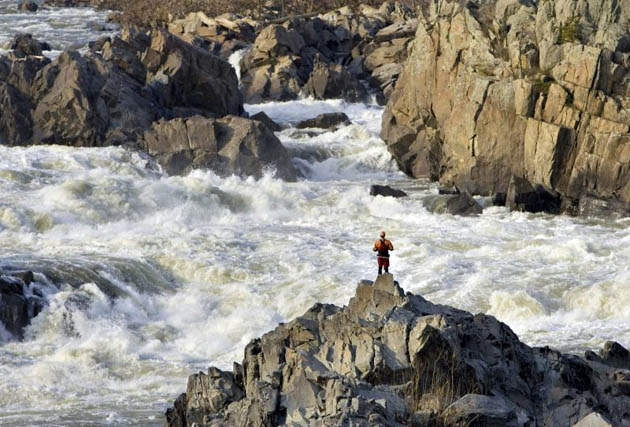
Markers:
(113, 97)
(325, 56)
(231, 145)
(533, 89)
(392, 359)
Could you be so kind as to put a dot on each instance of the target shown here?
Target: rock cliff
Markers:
(502, 88)
(392, 359)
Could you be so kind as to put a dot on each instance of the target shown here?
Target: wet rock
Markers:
(28, 6)
(17, 305)
(325, 121)
(390, 359)
(230, 145)
(386, 191)
(454, 204)
(614, 354)
(24, 45)
(522, 196)
(267, 121)
(592, 206)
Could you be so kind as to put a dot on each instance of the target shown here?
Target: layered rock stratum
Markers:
(537, 90)
(392, 359)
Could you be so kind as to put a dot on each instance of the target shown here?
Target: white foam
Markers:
(202, 264)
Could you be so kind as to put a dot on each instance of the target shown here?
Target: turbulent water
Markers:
(62, 28)
(150, 277)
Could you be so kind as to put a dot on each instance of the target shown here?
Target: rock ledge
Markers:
(392, 359)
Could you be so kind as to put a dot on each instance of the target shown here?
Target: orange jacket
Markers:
(383, 247)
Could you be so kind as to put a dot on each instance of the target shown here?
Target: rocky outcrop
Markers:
(19, 301)
(230, 145)
(24, 45)
(533, 89)
(392, 359)
(325, 121)
(113, 97)
(326, 56)
(223, 35)
(152, 90)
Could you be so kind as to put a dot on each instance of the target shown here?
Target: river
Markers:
(150, 278)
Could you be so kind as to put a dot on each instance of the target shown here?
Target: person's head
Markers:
(382, 234)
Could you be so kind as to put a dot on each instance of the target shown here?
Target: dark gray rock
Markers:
(454, 204)
(266, 120)
(392, 359)
(230, 145)
(25, 45)
(386, 191)
(522, 196)
(28, 6)
(16, 127)
(17, 306)
(325, 121)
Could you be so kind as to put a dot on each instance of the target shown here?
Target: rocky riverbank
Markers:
(392, 359)
(537, 91)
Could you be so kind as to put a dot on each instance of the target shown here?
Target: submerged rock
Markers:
(454, 204)
(18, 305)
(386, 191)
(392, 359)
(325, 121)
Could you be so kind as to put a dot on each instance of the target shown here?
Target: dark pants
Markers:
(383, 262)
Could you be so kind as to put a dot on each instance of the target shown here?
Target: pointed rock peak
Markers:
(385, 283)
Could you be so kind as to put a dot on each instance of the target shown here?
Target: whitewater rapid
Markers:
(150, 277)
(61, 27)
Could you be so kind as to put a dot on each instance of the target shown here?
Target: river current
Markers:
(150, 278)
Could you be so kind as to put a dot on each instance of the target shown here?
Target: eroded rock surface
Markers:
(539, 90)
(230, 145)
(392, 359)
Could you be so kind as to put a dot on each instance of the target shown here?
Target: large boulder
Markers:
(230, 145)
(186, 76)
(83, 101)
(502, 88)
(390, 359)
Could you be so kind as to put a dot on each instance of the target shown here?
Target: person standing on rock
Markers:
(382, 248)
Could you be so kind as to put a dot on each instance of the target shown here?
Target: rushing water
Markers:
(62, 28)
(150, 278)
